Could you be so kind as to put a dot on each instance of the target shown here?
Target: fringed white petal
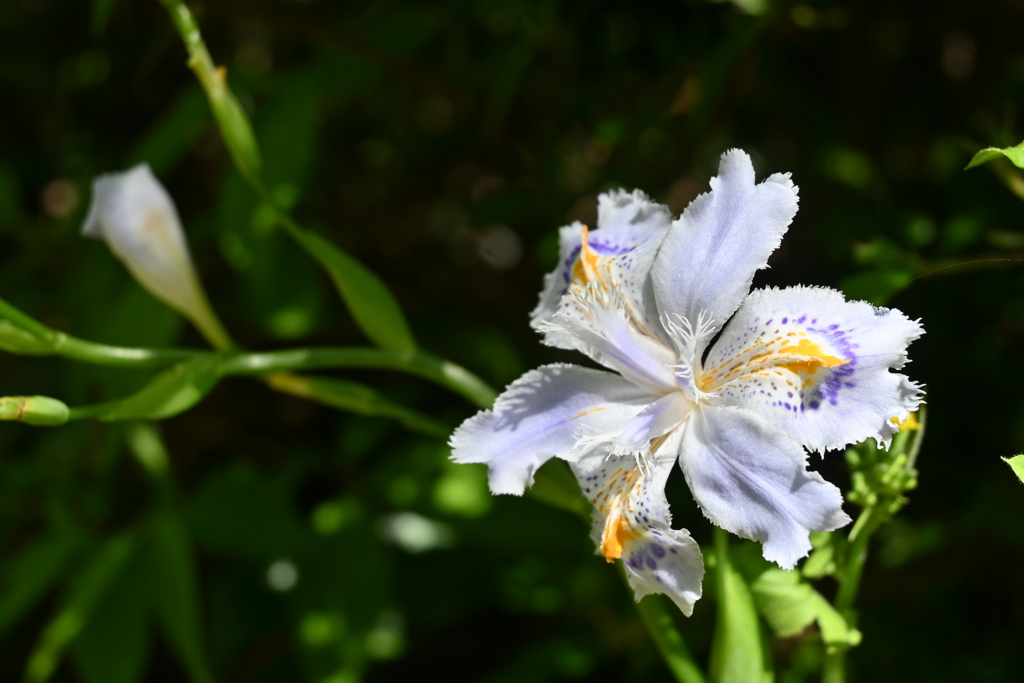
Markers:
(751, 479)
(541, 415)
(708, 260)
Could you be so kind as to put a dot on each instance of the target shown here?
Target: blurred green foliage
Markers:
(261, 537)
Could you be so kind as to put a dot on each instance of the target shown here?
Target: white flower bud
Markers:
(135, 215)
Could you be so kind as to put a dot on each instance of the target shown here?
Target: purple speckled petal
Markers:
(539, 416)
(630, 229)
(752, 480)
(632, 522)
(816, 366)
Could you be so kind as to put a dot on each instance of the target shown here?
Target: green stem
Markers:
(419, 363)
(857, 555)
(669, 641)
(834, 668)
(90, 352)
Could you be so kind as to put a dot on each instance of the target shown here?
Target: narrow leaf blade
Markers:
(78, 606)
(738, 654)
(357, 398)
(372, 305)
(113, 646)
(33, 571)
(175, 593)
(173, 391)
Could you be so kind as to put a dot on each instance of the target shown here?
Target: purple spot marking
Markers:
(609, 248)
(658, 551)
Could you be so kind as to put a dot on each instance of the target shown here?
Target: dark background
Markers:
(443, 143)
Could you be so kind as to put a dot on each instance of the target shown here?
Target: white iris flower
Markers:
(791, 369)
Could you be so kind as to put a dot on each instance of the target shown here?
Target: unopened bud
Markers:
(134, 214)
(40, 411)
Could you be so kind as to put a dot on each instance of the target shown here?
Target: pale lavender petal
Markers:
(751, 479)
(707, 261)
(541, 415)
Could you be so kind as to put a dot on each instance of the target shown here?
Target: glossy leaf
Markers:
(173, 391)
(1017, 464)
(368, 299)
(78, 606)
(175, 593)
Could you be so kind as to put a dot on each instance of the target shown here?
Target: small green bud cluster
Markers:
(881, 477)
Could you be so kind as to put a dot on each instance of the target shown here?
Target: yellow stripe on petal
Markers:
(617, 532)
(909, 425)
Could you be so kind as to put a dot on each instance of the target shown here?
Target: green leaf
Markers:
(114, 645)
(1014, 154)
(371, 303)
(738, 654)
(33, 571)
(175, 593)
(786, 602)
(356, 398)
(1017, 464)
(84, 593)
(789, 604)
(173, 391)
